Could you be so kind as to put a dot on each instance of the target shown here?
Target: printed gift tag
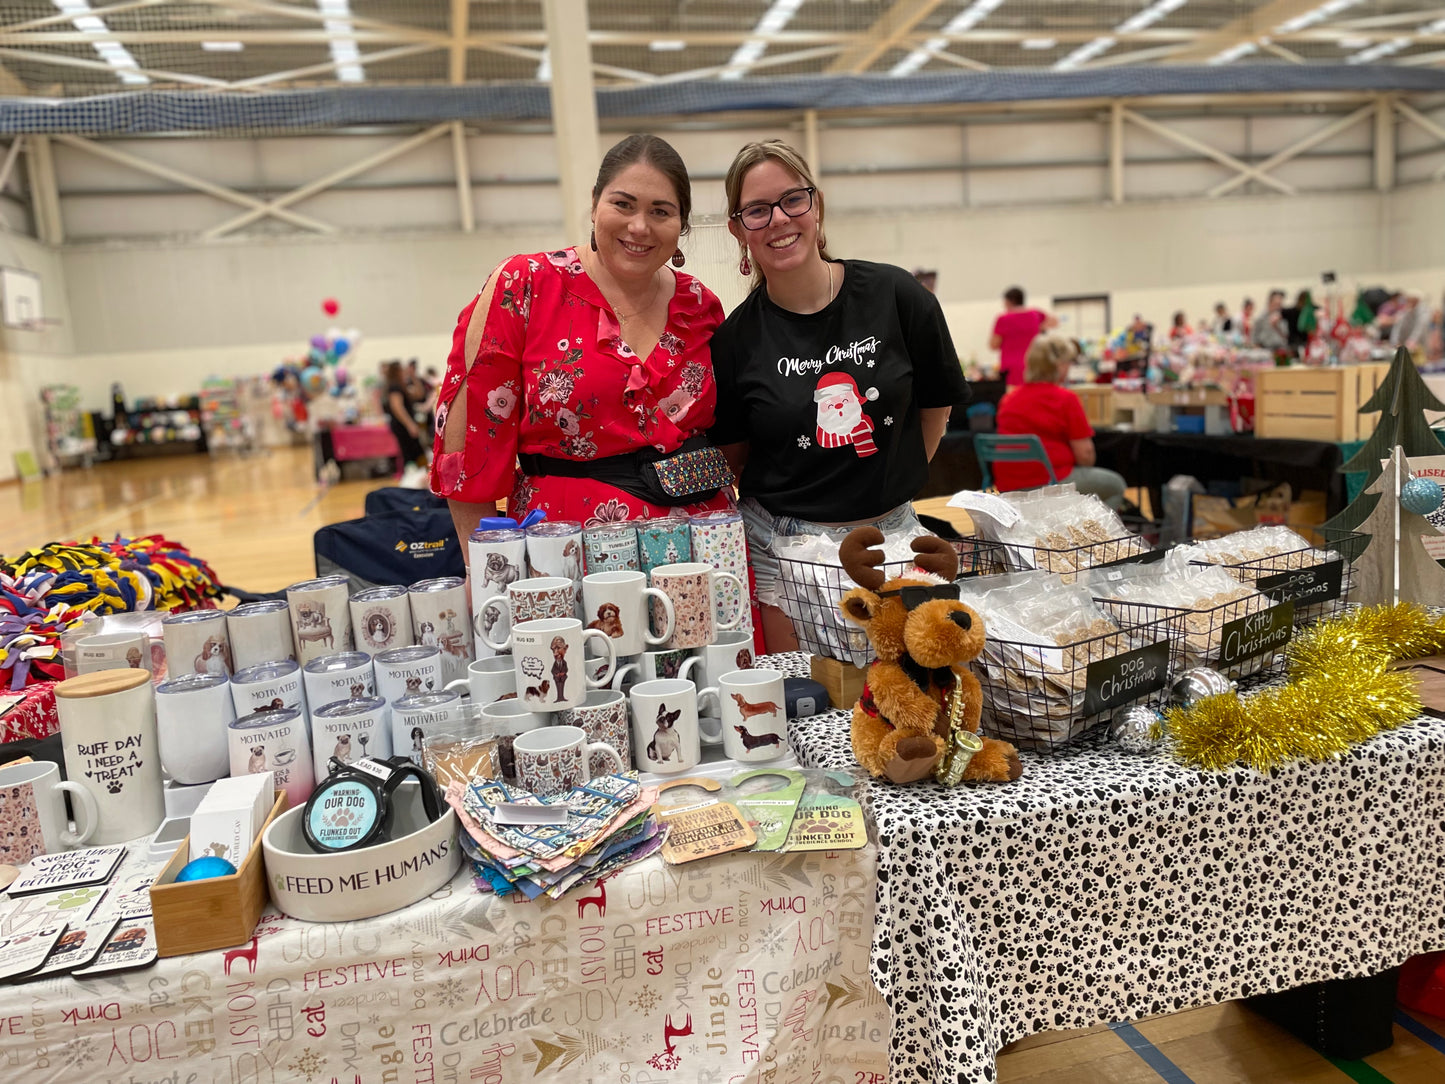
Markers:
(23, 953)
(77, 947)
(826, 821)
(770, 813)
(702, 829)
(133, 944)
(68, 869)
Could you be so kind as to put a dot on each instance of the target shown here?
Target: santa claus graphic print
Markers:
(841, 420)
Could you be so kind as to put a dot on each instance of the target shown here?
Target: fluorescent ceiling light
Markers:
(961, 23)
(751, 51)
(1084, 53)
(1328, 10)
(1353, 43)
(343, 46)
(222, 46)
(667, 46)
(112, 52)
(1038, 43)
(1380, 51)
(544, 67)
(1149, 16)
(1233, 53)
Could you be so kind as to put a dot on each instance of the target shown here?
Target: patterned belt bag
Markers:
(690, 475)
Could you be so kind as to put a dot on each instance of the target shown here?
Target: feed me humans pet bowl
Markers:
(420, 857)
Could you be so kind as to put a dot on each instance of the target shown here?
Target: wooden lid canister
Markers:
(101, 683)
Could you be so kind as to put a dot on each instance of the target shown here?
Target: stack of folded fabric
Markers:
(609, 824)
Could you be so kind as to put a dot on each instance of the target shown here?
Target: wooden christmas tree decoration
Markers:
(1396, 567)
(1403, 398)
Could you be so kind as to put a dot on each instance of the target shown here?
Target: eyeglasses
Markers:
(756, 216)
(915, 596)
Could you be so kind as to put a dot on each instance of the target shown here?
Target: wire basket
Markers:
(1244, 638)
(978, 557)
(1042, 697)
(1066, 560)
(1317, 579)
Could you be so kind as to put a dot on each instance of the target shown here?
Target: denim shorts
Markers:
(762, 527)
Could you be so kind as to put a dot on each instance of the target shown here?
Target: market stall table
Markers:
(741, 968)
(1105, 887)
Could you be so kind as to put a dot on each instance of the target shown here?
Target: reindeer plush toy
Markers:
(919, 686)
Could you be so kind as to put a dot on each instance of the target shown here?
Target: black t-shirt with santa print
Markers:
(828, 401)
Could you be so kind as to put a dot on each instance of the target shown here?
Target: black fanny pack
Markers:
(690, 475)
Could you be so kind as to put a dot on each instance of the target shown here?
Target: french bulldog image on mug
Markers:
(616, 603)
(549, 662)
(690, 586)
(665, 738)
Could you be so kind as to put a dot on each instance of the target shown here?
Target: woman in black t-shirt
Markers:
(397, 402)
(835, 377)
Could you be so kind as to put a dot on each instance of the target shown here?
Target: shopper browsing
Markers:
(1056, 416)
(576, 376)
(400, 419)
(1013, 331)
(835, 377)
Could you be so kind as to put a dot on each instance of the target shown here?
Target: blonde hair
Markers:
(1046, 352)
(755, 154)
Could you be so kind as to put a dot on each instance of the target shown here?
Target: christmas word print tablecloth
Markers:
(740, 969)
(1104, 886)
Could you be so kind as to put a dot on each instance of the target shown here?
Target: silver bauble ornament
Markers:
(1198, 682)
(1137, 729)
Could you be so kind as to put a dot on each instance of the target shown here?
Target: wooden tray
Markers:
(196, 916)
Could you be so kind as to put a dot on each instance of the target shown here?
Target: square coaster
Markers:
(131, 945)
(68, 869)
(25, 952)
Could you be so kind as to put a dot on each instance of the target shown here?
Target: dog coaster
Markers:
(77, 948)
(23, 953)
(132, 945)
(702, 829)
(770, 812)
(69, 869)
(827, 822)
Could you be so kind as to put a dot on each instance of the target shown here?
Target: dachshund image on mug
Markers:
(257, 763)
(609, 620)
(748, 710)
(755, 741)
(665, 745)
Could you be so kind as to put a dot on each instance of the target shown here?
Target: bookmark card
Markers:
(68, 869)
(77, 947)
(24, 953)
(132, 945)
(770, 812)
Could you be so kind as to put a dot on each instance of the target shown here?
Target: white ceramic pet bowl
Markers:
(418, 859)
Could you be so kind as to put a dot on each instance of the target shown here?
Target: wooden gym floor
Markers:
(252, 519)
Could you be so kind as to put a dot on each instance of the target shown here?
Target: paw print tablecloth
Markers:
(1104, 886)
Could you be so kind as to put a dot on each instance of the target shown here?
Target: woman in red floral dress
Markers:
(583, 361)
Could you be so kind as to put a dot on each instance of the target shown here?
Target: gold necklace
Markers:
(656, 289)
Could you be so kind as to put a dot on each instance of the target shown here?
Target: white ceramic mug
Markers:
(527, 600)
(549, 662)
(616, 603)
(652, 665)
(408, 671)
(381, 619)
(320, 616)
(338, 677)
(488, 680)
(555, 759)
(665, 737)
(260, 632)
(754, 715)
(441, 617)
(108, 731)
(349, 730)
(197, 642)
(268, 686)
(694, 602)
(730, 651)
(32, 812)
(507, 719)
(192, 713)
(279, 742)
(413, 716)
(603, 715)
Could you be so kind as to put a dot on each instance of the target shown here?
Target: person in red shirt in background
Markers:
(1056, 416)
(1012, 333)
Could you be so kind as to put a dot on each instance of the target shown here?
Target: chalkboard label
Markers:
(1261, 633)
(1305, 586)
(1112, 683)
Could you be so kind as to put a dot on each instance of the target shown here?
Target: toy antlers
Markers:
(861, 558)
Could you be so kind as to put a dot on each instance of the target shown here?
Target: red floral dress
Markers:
(552, 376)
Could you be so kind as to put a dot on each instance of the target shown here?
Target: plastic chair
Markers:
(1013, 448)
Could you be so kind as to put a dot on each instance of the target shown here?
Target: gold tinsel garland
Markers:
(1340, 691)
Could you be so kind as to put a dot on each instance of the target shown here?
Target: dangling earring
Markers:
(822, 241)
(594, 240)
(745, 266)
(678, 259)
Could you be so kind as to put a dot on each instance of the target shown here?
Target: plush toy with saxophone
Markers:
(918, 715)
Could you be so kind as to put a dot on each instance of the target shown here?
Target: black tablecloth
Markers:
(1151, 459)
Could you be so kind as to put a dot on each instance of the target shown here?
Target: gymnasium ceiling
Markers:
(70, 48)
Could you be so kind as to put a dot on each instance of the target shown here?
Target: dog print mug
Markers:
(690, 586)
(555, 759)
(549, 662)
(665, 738)
(604, 716)
(754, 715)
(527, 600)
(616, 603)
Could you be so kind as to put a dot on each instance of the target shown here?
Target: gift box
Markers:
(33, 717)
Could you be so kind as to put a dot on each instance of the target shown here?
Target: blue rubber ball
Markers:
(202, 869)
(1421, 496)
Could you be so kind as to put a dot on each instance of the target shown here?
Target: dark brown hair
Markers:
(657, 153)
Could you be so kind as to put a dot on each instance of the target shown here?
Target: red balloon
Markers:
(331, 306)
